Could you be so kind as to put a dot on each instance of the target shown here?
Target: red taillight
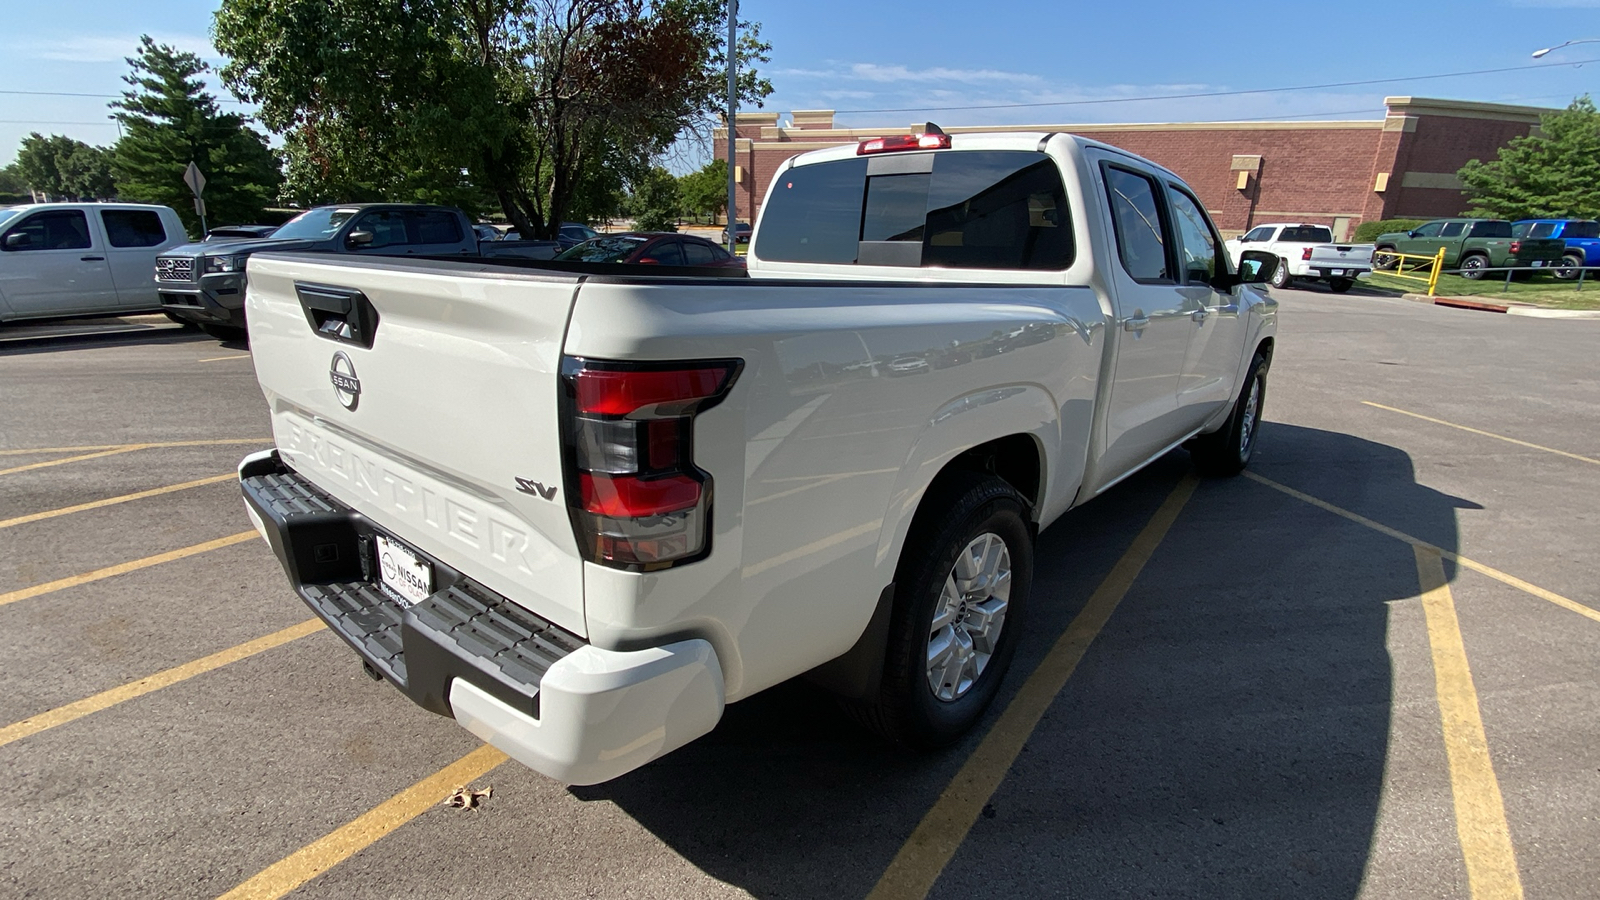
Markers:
(1516, 246)
(639, 500)
(1305, 254)
(904, 142)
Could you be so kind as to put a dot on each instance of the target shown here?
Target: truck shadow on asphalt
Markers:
(1226, 735)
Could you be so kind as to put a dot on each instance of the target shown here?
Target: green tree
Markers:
(13, 187)
(1552, 173)
(546, 105)
(169, 120)
(654, 203)
(65, 169)
(705, 191)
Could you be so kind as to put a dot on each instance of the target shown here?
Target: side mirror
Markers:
(1256, 267)
(18, 241)
(359, 239)
(1411, 234)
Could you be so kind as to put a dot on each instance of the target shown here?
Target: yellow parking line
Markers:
(1480, 811)
(61, 715)
(112, 501)
(124, 568)
(1498, 437)
(1456, 558)
(913, 871)
(220, 358)
(339, 845)
(79, 458)
(145, 445)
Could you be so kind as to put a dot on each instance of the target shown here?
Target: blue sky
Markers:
(914, 56)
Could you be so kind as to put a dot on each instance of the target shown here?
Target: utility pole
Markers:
(733, 105)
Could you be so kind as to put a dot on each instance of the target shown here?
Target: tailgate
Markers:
(1350, 254)
(425, 397)
(1539, 248)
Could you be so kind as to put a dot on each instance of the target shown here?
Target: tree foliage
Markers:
(168, 120)
(547, 105)
(704, 192)
(1552, 173)
(654, 202)
(65, 169)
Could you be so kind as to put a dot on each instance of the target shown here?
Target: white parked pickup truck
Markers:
(1306, 252)
(581, 507)
(82, 259)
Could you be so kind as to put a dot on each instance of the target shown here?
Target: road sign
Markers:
(193, 178)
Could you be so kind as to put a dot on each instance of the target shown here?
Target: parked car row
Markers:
(1472, 246)
(1305, 252)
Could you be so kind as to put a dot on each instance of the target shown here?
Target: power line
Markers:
(27, 122)
(1201, 94)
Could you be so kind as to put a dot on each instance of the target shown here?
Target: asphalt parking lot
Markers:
(1366, 668)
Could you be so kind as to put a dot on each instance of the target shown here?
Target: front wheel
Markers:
(960, 589)
(1280, 276)
(1474, 267)
(1228, 450)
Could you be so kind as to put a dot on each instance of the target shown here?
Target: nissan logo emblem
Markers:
(346, 386)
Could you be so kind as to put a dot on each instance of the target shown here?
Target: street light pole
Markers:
(733, 102)
(1539, 54)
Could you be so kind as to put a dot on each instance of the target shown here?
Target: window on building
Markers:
(133, 227)
(1140, 224)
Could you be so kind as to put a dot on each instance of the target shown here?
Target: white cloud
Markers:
(881, 74)
(108, 48)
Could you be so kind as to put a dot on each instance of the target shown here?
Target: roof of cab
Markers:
(1023, 140)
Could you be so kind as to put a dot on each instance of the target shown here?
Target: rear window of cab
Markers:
(970, 209)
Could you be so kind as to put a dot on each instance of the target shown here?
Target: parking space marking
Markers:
(1458, 559)
(124, 568)
(339, 845)
(70, 459)
(113, 501)
(221, 358)
(1498, 437)
(1480, 811)
(914, 870)
(143, 445)
(71, 712)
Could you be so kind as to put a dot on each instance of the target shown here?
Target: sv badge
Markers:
(534, 487)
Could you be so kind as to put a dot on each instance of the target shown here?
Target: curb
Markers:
(1513, 308)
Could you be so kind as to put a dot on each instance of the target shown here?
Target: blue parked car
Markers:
(1582, 237)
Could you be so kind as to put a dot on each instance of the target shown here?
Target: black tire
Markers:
(1383, 258)
(1568, 270)
(1227, 451)
(1280, 276)
(226, 333)
(1340, 285)
(1472, 267)
(187, 325)
(962, 510)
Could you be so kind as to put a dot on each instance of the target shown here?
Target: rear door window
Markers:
(433, 226)
(1583, 229)
(665, 253)
(133, 227)
(1452, 229)
(1491, 230)
(697, 254)
(1143, 234)
(1542, 229)
(987, 209)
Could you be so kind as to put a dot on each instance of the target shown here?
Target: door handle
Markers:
(92, 258)
(1135, 323)
(1200, 314)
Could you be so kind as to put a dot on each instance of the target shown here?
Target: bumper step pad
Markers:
(463, 630)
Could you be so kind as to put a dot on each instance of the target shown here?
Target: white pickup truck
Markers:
(82, 259)
(581, 507)
(1306, 252)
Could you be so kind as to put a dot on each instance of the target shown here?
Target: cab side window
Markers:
(1429, 230)
(59, 229)
(1143, 233)
(388, 228)
(1264, 233)
(1195, 238)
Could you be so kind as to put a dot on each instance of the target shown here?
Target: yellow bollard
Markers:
(1438, 265)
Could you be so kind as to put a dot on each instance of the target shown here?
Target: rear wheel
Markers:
(1384, 258)
(961, 586)
(1568, 269)
(1340, 285)
(1228, 450)
(1474, 267)
(1280, 275)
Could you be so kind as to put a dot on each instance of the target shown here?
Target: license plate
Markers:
(405, 574)
(1336, 272)
(1537, 263)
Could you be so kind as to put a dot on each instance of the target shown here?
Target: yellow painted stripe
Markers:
(220, 358)
(1489, 434)
(112, 501)
(124, 568)
(1454, 557)
(917, 866)
(1480, 811)
(71, 459)
(319, 856)
(145, 445)
(61, 715)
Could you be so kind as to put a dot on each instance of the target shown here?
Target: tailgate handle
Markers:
(339, 313)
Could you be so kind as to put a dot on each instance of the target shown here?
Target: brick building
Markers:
(1334, 173)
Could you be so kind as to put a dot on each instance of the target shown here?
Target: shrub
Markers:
(1367, 232)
